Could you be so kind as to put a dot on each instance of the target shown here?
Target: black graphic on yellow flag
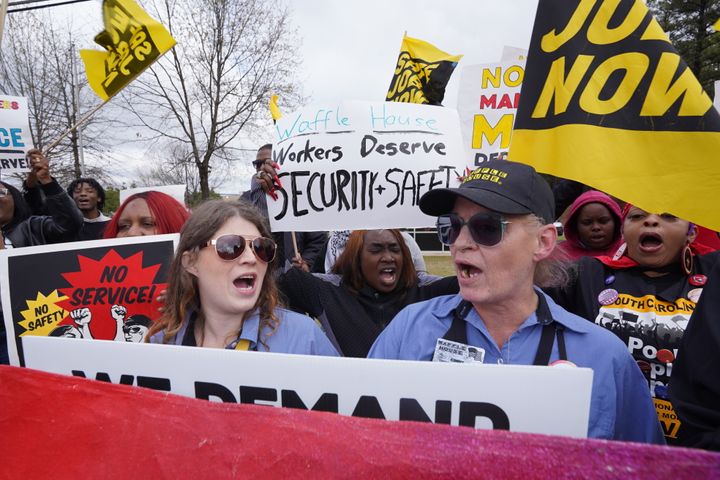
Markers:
(607, 101)
(133, 41)
(421, 74)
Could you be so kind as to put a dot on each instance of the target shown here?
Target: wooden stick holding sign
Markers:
(79, 123)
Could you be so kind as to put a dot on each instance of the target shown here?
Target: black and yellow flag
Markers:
(133, 40)
(421, 74)
(607, 101)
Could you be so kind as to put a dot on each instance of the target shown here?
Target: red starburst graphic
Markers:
(106, 293)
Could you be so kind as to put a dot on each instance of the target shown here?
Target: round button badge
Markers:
(608, 296)
(694, 294)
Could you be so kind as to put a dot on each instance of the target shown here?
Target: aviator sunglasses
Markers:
(230, 247)
(485, 228)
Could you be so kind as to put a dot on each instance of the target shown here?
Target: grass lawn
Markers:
(439, 265)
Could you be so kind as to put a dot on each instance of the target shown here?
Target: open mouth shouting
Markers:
(650, 243)
(466, 271)
(245, 283)
(388, 276)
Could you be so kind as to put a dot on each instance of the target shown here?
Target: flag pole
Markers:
(3, 15)
(84, 119)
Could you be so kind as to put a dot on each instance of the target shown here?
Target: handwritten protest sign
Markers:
(101, 289)
(15, 137)
(472, 395)
(363, 165)
(487, 101)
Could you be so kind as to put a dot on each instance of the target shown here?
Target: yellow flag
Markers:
(274, 109)
(607, 101)
(133, 41)
(421, 73)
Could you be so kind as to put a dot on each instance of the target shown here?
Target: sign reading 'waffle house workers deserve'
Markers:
(363, 164)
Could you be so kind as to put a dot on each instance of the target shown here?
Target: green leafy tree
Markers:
(689, 26)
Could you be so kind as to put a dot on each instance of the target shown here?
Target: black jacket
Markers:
(353, 321)
(695, 386)
(62, 222)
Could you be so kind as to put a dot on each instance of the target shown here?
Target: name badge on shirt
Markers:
(449, 351)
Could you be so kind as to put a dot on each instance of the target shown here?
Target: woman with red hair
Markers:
(372, 281)
(147, 213)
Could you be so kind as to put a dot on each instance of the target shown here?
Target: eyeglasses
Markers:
(132, 329)
(230, 247)
(4, 191)
(258, 163)
(485, 228)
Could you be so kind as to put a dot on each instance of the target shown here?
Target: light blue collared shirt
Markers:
(620, 406)
(296, 333)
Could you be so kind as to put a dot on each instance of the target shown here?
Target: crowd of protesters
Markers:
(617, 295)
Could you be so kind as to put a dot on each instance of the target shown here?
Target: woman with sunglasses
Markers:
(645, 293)
(372, 280)
(498, 224)
(221, 291)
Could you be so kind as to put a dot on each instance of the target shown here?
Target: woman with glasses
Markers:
(498, 224)
(221, 291)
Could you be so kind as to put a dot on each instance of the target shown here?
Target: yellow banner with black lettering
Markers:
(607, 101)
(133, 40)
(421, 74)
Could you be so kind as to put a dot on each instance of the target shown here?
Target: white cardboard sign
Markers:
(487, 102)
(15, 137)
(518, 398)
(363, 164)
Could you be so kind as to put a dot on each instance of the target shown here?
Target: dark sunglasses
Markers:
(485, 228)
(258, 163)
(132, 329)
(230, 247)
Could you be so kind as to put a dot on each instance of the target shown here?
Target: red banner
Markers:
(64, 427)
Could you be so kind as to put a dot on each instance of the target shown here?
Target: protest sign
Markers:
(509, 397)
(487, 101)
(609, 102)
(132, 40)
(363, 165)
(175, 191)
(15, 137)
(102, 289)
(422, 72)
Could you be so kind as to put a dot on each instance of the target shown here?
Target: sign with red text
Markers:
(363, 164)
(99, 289)
(471, 395)
(487, 101)
(15, 137)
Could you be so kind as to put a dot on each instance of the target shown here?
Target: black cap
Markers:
(499, 185)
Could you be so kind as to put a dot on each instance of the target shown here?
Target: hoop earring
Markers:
(686, 260)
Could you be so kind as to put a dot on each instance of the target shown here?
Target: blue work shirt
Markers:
(295, 333)
(620, 405)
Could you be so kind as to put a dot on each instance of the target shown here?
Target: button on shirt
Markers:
(296, 333)
(620, 407)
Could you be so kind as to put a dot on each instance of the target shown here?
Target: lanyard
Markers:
(551, 330)
(242, 344)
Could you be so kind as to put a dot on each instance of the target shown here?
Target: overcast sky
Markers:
(348, 48)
